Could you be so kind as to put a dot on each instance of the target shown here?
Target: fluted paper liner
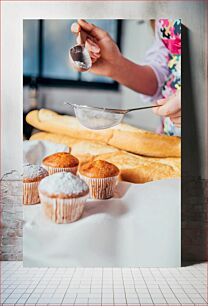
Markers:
(101, 188)
(63, 210)
(30, 193)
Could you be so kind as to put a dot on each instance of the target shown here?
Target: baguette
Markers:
(49, 121)
(84, 150)
(134, 168)
(137, 169)
(123, 136)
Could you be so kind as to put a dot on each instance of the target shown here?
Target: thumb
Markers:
(92, 30)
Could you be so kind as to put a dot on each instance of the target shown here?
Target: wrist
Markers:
(114, 70)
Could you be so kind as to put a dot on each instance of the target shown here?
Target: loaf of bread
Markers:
(138, 169)
(122, 136)
(84, 150)
(133, 168)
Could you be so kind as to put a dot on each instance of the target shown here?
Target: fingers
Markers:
(161, 101)
(75, 28)
(93, 50)
(93, 30)
(89, 44)
(169, 106)
(94, 57)
(176, 115)
(176, 121)
(92, 46)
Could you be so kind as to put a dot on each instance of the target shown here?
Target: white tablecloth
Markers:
(140, 226)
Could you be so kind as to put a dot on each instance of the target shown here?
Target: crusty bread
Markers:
(49, 121)
(123, 136)
(137, 169)
(134, 168)
(57, 138)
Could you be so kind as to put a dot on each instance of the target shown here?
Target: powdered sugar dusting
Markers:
(63, 183)
(32, 171)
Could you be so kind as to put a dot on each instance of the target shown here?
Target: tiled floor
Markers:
(66, 286)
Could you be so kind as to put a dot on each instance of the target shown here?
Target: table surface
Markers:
(140, 226)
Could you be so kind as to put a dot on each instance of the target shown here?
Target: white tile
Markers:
(119, 295)
(118, 290)
(55, 300)
(84, 290)
(21, 301)
(11, 300)
(197, 300)
(70, 295)
(68, 300)
(35, 295)
(15, 296)
(132, 300)
(58, 295)
(171, 300)
(81, 301)
(95, 301)
(96, 290)
(119, 300)
(107, 300)
(144, 295)
(43, 300)
(82, 295)
(158, 300)
(186, 284)
(131, 295)
(107, 294)
(95, 295)
(107, 290)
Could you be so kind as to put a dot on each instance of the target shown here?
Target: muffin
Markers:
(60, 162)
(63, 196)
(101, 177)
(32, 175)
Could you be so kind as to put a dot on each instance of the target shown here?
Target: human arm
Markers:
(108, 61)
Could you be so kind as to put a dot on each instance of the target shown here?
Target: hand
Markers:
(103, 50)
(170, 107)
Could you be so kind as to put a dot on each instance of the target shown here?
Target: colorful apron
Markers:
(170, 34)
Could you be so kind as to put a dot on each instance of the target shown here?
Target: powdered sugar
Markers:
(63, 183)
(96, 119)
(32, 171)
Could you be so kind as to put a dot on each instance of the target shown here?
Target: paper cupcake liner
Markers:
(30, 193)
(63, 210)
(101, 188)
(52, 170)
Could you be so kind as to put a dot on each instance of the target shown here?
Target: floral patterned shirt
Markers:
(164, 57)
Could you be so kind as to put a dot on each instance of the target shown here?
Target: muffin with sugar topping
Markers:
(32, 175)
(101, 177)
(63, 196)
(60, 162)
